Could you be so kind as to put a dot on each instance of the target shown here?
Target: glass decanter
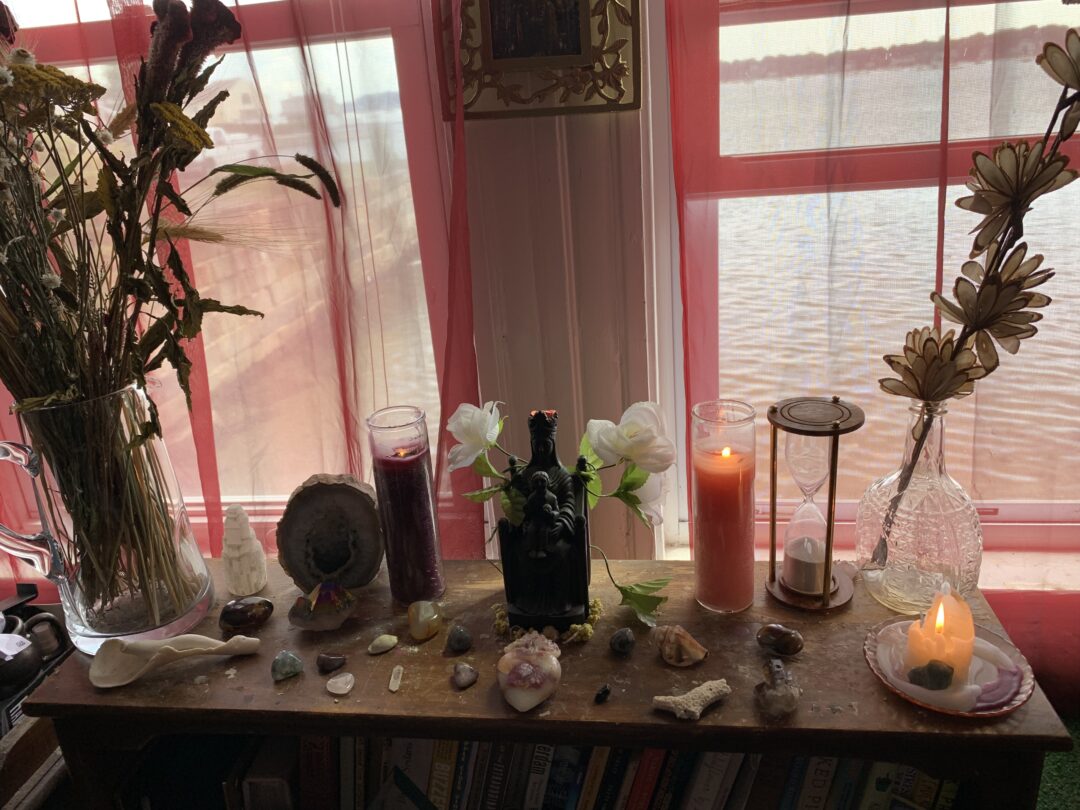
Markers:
(911, 543)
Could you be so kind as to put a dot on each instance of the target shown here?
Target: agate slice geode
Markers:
(330, 532)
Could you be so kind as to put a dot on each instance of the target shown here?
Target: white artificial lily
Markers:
(639, 438)
(651, 494)
(476, 429)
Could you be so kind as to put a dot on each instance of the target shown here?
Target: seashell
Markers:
(677, 647)
(529, 671)
(381, 644)
(780, 640)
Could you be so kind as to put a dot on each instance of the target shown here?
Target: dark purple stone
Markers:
(327, 663)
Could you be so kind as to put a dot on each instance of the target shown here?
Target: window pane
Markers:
(814, 289)
(996, 90)
(1026, 442)
(829, 82)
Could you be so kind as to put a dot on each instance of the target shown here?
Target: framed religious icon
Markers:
(544, 57)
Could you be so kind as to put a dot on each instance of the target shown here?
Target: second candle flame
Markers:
(939, 622)
(726, 452)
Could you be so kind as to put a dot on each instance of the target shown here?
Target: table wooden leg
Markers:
(1005, 783)
(98, 770)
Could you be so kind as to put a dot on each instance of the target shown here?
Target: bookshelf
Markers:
(845, 712)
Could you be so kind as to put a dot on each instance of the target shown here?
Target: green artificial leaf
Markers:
(513, 505)
(646, 587)
(633, 478)
(644, 605)
(585, 448)
(593, 487)
(483, 467)
(485, 494)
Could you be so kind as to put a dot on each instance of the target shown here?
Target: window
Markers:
(343, 293)
(815, 179)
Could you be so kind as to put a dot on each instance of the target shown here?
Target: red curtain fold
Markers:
(366, 306)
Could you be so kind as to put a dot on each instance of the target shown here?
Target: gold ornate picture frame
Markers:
(546, 57)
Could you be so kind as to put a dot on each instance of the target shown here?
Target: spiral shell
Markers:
(677, 647)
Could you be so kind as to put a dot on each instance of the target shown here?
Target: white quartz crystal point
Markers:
(243, 555)
(529, 671)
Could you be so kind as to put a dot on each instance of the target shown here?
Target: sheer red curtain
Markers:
(818, 148)
(365, 306)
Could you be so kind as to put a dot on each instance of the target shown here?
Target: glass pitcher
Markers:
(112, 530)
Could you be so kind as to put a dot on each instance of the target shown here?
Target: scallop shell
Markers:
(677, 647)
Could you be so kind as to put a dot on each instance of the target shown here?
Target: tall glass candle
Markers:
(401, 463)
(722, 486)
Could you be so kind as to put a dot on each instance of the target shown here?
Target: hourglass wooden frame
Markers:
(820, 417)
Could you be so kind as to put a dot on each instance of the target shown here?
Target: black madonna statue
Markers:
(546, 558)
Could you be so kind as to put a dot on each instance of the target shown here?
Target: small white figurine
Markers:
(245, 560)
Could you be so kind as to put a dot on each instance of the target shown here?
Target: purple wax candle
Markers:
(401, 464)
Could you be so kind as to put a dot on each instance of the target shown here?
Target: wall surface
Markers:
(555, 210)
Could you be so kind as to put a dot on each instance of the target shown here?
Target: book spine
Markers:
(566, 766)
(441, 780)
(347, 772)
(946, 797)
(479, 773)
(495, 780)
(681, 771)
(916, 787)
(594, 775)
(816, 783)
(706, 781)
(318, 780)
(737, 796)
(466, 759)
(845, 786)
(627, 785)
(768, 787)
(516, 780)
(879, 783)
(794, 783)
(652, 762)
(613, 778)
(539, 770)
(360, 771)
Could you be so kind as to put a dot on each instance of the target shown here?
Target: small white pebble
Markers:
(230, 672)
(201, 679)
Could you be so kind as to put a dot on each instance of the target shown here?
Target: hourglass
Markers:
(812, 427)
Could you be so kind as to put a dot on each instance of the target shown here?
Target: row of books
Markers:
(325, 773)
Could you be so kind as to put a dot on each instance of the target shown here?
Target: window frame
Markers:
(1007, 525)
(427, 143)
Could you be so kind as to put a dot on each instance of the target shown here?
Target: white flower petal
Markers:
(463, 455)
(603, 436)
(651, 494)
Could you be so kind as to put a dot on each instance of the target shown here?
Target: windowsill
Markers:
(1001, 570)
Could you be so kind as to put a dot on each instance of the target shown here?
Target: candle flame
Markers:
(401, 452)
(939, 622)
(725, 452)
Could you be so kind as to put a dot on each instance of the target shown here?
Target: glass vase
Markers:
(722, 448)
(911, 542)
(111, 529)
(401, 467)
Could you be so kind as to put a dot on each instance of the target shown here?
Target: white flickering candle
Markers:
(946, 633)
